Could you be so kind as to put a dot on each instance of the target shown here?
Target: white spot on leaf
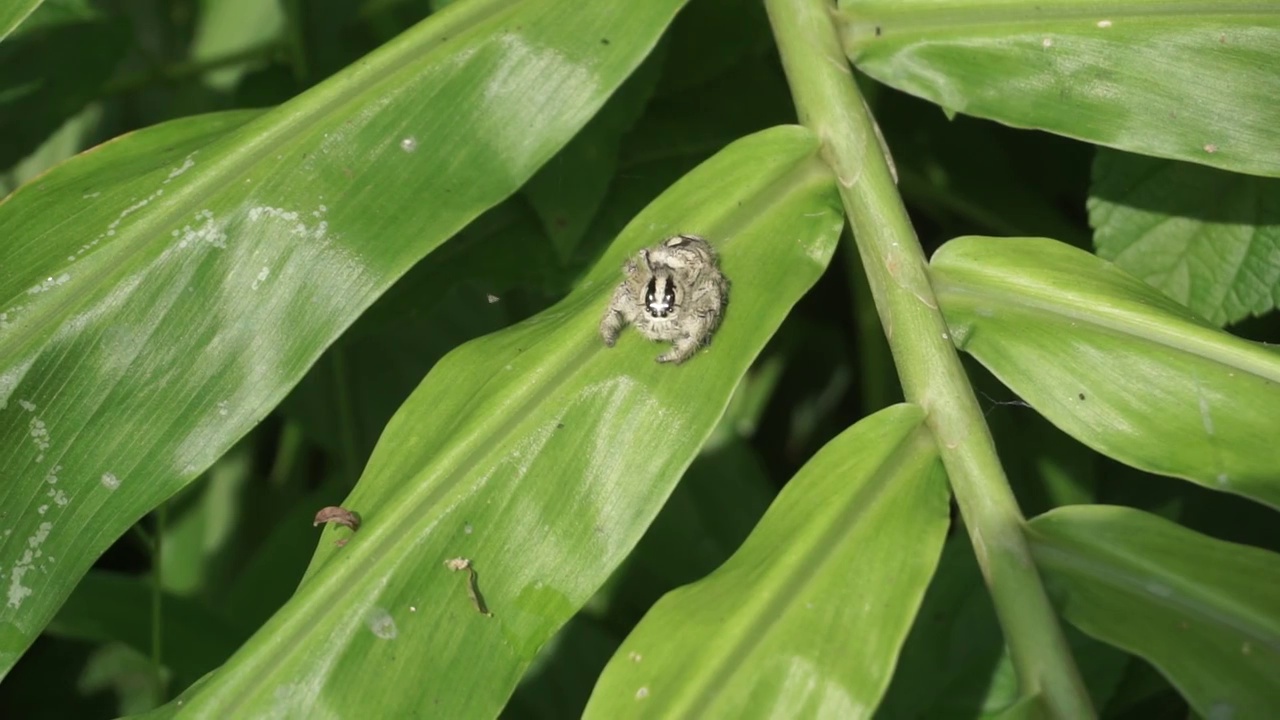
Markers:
(17, 591)
(381, 623)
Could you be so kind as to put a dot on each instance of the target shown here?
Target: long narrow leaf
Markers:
(12, 14)
(1182, 79)
(1203, 611)
(161, 294)
(807, 618)
(1115, 363)
(539, 456)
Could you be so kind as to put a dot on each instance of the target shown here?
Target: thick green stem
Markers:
(829, 103)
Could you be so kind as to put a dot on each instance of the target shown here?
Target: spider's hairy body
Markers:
(672, 292)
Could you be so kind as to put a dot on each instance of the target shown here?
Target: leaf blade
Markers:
(172, 285)
(538, 455)
(1128, 76)
(1114, 363)
(750, 638)
(1200, 609)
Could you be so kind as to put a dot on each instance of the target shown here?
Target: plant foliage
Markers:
(263, 258)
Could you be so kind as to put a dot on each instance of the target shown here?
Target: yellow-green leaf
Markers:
(1181, 79)
(539, 456)
(1115, 363)
(1202, 611)
(807, 618)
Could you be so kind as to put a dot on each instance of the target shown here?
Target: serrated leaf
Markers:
(845, 552)
(1201, 610)
(539, 456)
(1114, 363)
(1208, 238)
(163, 292)
(1129, 75)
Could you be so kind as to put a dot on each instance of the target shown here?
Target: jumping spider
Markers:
(672, 292)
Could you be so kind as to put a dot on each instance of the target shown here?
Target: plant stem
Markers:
(829, 103)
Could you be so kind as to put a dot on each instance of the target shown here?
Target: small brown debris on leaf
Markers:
(338, 516)
(473, 583)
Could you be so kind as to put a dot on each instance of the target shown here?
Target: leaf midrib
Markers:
(953, 288)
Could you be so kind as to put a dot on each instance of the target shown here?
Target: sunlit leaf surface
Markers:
(1203, 611)
(1115, 363)
(807, 618)
(538, 455)
(163, 292)
(1182, 79)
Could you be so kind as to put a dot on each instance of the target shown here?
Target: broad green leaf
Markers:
(807, 618)
(1209, 239)
(539, 455)
(13, 12)
(1201, 610)
(162, 293)
(1130, 74)
(1116, 364)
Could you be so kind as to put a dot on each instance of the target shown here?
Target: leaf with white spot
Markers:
(160, 294)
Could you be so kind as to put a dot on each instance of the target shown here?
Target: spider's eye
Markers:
(660, 296)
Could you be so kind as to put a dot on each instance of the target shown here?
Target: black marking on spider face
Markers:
(660, 297)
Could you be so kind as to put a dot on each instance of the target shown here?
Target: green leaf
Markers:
(1201, 610)
(844, 553)
(1209, 239)
(1129, 75)
(13, 12)
(1114, 363)
(539, 455)
(162, 293)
